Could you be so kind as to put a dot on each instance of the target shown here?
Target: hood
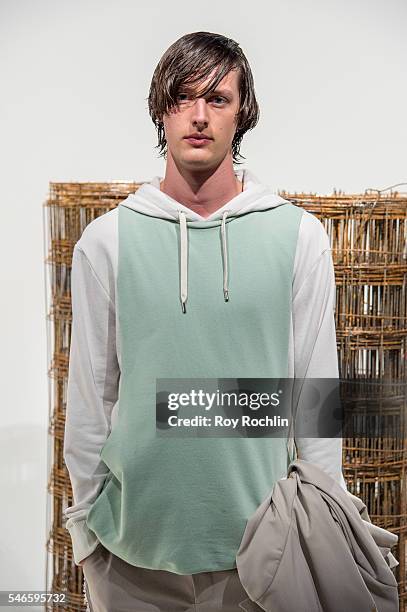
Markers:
(150, 200)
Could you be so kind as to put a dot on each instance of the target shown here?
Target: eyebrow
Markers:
(223, 92)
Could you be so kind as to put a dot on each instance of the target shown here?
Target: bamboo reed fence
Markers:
(368, 234)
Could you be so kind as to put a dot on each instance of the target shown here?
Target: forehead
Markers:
(229, 83)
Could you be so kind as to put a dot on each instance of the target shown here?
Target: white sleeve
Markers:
(92, 393)
(315, 351)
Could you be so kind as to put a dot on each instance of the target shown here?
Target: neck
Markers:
(205, 191)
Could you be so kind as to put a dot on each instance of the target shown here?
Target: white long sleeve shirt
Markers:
(94, 361)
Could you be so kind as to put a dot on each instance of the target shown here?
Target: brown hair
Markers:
(190, 60)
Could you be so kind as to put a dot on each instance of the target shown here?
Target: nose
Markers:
(200, 113)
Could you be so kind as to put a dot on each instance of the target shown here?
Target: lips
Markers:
(198, 137)
(198, 143)
(198, 140)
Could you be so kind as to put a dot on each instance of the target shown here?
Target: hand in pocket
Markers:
(88, 557)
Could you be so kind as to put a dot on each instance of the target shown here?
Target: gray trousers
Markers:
(113, 585)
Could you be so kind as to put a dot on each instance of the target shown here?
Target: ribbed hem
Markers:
(84, 541)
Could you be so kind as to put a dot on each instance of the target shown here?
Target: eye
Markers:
(184, 99)
(219, 98)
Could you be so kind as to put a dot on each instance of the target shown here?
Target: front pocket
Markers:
(92, 554)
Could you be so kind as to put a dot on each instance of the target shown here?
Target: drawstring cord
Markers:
(225, 257)
(184, 259)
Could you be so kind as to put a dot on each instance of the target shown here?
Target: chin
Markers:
(197, 159)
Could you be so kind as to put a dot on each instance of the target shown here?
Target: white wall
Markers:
(331, 82)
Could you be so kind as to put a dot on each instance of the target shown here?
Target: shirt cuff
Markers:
(84, 541)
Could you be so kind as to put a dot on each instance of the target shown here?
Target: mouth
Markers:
(198, 141)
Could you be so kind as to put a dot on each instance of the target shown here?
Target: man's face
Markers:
(213, 116)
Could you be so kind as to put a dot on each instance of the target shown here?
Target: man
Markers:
(204, 273)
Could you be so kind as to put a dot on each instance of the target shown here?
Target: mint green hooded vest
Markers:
(182, 504)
